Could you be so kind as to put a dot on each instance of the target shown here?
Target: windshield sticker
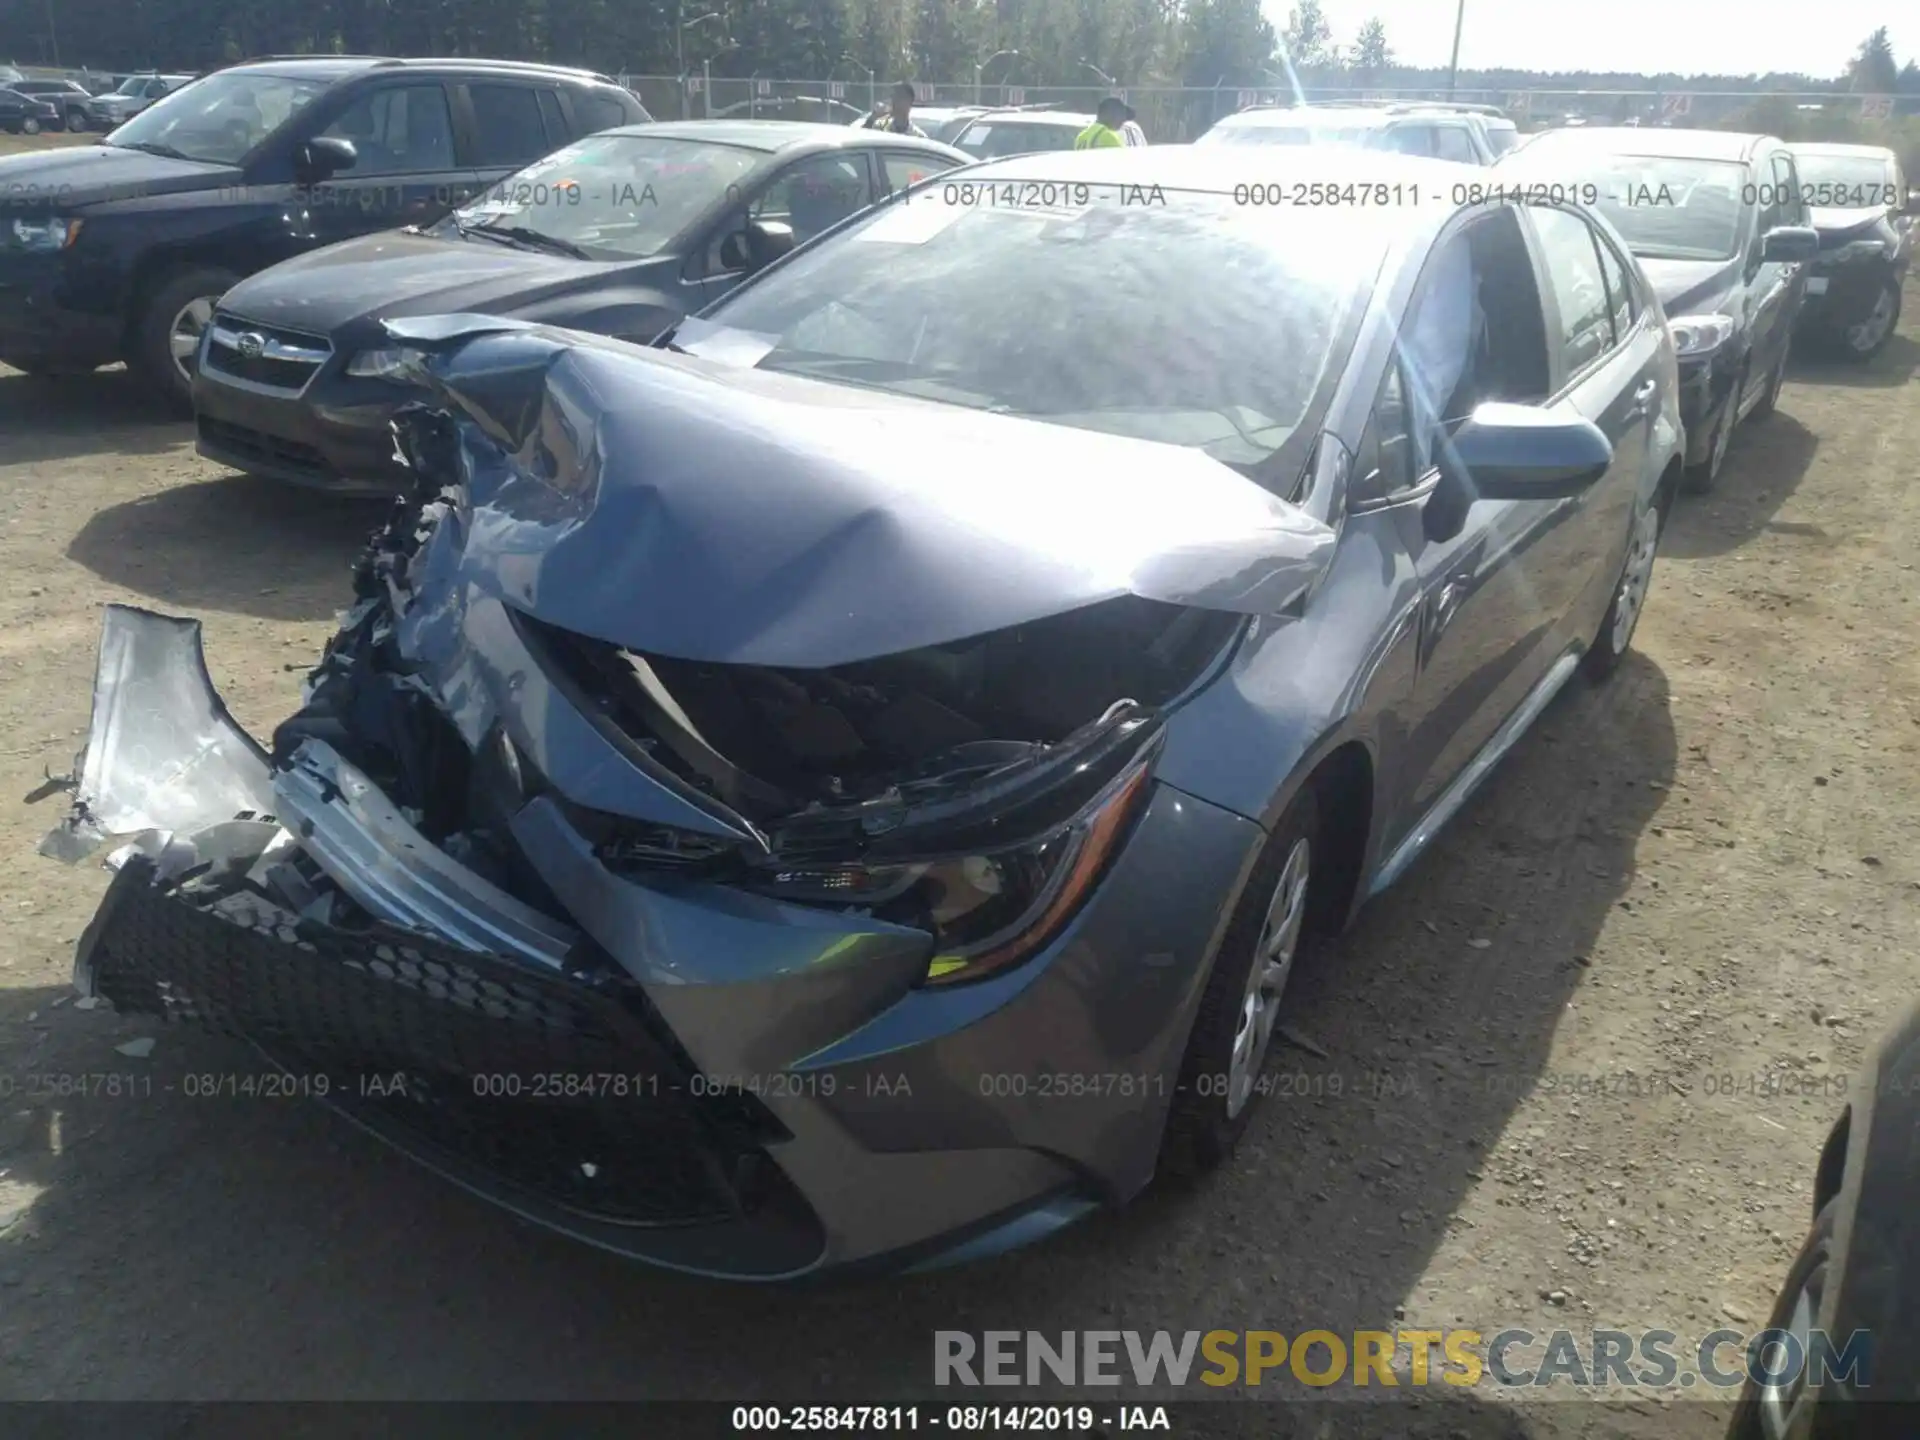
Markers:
(723, 344)
(911, 221)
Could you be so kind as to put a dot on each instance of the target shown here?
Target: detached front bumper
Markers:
(1706, 390)
(1844, 293)
(677, 1071)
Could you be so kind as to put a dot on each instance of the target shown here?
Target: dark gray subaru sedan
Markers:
(849, 784)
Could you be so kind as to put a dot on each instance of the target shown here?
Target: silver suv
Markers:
(1470, 134)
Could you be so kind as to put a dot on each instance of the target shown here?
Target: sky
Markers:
(1725, 37)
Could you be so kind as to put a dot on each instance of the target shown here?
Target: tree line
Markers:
(1019, 42)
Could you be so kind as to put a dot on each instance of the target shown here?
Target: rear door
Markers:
(1778, 288)
(408, 171)
(506, 124)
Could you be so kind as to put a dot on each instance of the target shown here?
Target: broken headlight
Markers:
(987, 912)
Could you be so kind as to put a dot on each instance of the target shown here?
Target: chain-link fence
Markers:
(1170, 114)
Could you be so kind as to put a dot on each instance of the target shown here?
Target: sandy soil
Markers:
(1701, 874)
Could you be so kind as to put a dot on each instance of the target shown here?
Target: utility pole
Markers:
(1453, 65)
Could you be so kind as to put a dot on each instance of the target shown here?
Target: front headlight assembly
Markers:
(397, 365)
(1874, 248)
(52, 233)
(1696, 335)
(987, 912)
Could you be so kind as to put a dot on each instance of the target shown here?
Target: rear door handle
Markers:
(1643, 399)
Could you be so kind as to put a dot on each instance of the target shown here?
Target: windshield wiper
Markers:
(530, 238)
(152, 147)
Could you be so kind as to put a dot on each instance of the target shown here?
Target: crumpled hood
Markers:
(1691, 287)
(397, 273)
(687, 508)
(1836, 224)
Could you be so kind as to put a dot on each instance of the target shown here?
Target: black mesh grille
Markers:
(560, 1087)
(259, 446)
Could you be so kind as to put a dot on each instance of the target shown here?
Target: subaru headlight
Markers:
(987, 912)
(395, 364)
(52, 233)
(1696, 335)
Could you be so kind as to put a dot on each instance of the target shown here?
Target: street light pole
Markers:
(1453, 65)
(979, 69)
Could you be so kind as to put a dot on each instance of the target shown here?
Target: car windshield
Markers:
(1193, 321)
(990, 141)
(614, 197)
(132, 85)
(1842, 182)
(1227, 133)
(1664, 207)
(218, 119)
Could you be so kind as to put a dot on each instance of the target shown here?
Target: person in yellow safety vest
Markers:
(1105, 130)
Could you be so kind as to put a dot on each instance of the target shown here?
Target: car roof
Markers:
(1835, 147)
(1652, 141)
(1309, 117)
(776, 135)
(336, 67)
(1222, 169)
(1036, 117)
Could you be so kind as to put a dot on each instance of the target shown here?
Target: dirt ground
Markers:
(1702, 874)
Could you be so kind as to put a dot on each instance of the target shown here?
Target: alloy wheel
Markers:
(30, 126)
(1635, 578)
(1267, 976)
(1778, 1401)
(183, 337)
(1866, 336)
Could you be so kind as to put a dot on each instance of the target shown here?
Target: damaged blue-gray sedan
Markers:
(850, 784)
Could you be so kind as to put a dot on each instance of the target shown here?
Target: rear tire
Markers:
(181, 302)
(1234, 1027)
(1630, 591)
(76, 122)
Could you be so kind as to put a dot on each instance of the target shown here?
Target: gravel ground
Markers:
(1701, 874)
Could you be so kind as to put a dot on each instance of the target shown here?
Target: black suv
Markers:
(118, 251)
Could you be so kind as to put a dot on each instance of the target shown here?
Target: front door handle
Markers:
(1643, 399)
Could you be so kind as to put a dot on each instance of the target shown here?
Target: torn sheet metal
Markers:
(373, 853)
(689, 509)
(162, 752)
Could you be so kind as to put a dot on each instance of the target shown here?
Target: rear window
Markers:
(601, 112)
(1227, 132)
(988, 141)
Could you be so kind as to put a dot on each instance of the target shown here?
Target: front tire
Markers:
(1704, 476)
(1861, 341)
(167, 335)
(1770, 399)
(1234, 1027)
(29, 126)
(1768, 1412)
(76, 122)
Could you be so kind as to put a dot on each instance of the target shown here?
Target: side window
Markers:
(597, 113)
(1573, 270)
(398, 130)
(507, 118)
(1452, 143)
(1622, 295)
(905, 170)
(553, 119)
(1384, 467)
(1772, 207)
(1786, 184)
(815, 194)
(1410, 140)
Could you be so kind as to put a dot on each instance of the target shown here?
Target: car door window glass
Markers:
(599, 113)
(905, 170)
(1384, 467)
(1451, 143)
(1786, 183)
(1621, 295)
(398, 130)
(1568, 244)
(1476, 331)
(507, 118)
(1410, 140)
(814, 195)
(553, 119)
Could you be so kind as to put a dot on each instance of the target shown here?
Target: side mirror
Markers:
(1790, 244)
(323, 157)
(1516, 452)
(767, 241)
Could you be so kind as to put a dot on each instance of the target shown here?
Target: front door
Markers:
(407, 171)
(811, 195)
